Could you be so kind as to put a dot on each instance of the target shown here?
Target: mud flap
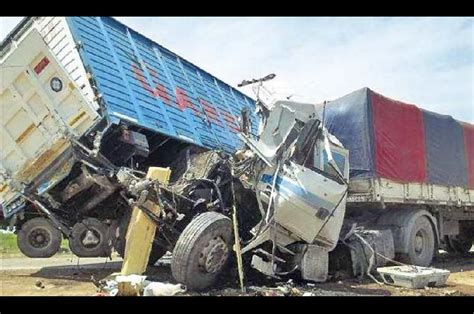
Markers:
(315, 264)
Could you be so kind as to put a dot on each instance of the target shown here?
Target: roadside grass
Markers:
(8, 243)
(9, 248)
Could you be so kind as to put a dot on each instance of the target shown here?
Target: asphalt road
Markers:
(67, 275)
(25, 263)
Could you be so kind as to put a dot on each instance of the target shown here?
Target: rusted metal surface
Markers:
(43, 161)
(75, 119)
(25, 133)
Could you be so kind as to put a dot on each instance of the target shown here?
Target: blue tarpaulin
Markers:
(445, 156)
(348, 118)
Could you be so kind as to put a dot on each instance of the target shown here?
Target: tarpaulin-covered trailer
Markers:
(411, 172)
(392, 143)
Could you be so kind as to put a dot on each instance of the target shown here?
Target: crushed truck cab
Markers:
(299, 176)
(281, 200)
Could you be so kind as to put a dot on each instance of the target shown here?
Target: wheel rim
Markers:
(419, 242)
(90, 239)
(214, 255)
(39, 238)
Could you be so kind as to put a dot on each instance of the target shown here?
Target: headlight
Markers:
(14, 205)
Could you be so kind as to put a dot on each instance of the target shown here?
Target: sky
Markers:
(424, 61)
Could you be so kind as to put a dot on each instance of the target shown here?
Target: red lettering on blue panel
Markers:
(211, 112)
(230, 119)
(158, 91)
(137, 71)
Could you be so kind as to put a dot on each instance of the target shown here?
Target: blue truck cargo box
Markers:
(145, 84)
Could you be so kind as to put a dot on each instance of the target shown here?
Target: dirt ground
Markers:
(68, 276)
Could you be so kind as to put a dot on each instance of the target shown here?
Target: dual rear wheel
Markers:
(39, 238)
(89, 238)
(423, 244)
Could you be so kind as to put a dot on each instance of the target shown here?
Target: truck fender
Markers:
(402, 220)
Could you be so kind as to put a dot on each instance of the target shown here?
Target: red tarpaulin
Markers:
(468, 130)
(399, 140)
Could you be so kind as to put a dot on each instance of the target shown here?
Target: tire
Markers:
(458, 245)
(156, 253)
(89, 227)
(202, 251)
(421, 246)
(39, 238)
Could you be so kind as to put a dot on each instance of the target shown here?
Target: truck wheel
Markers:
(202, 250)
(38, 237)
(156, 253)
(421, 247)
(458, 244)
(89, 238)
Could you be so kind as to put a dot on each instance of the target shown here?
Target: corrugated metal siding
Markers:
(154, 88)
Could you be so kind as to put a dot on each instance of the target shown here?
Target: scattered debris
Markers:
(158, 289)
(107, 287)
(295, 292)
(451, 292)
(130, 285)
(286, 191)
(414, 277)
(39, 284)
(135, 285)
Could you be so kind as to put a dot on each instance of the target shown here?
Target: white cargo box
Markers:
(39, 104)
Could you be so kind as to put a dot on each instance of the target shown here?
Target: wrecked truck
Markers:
(299, 211)
(278, 205)
(306, 208)
(87, 104)
(315, 187)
